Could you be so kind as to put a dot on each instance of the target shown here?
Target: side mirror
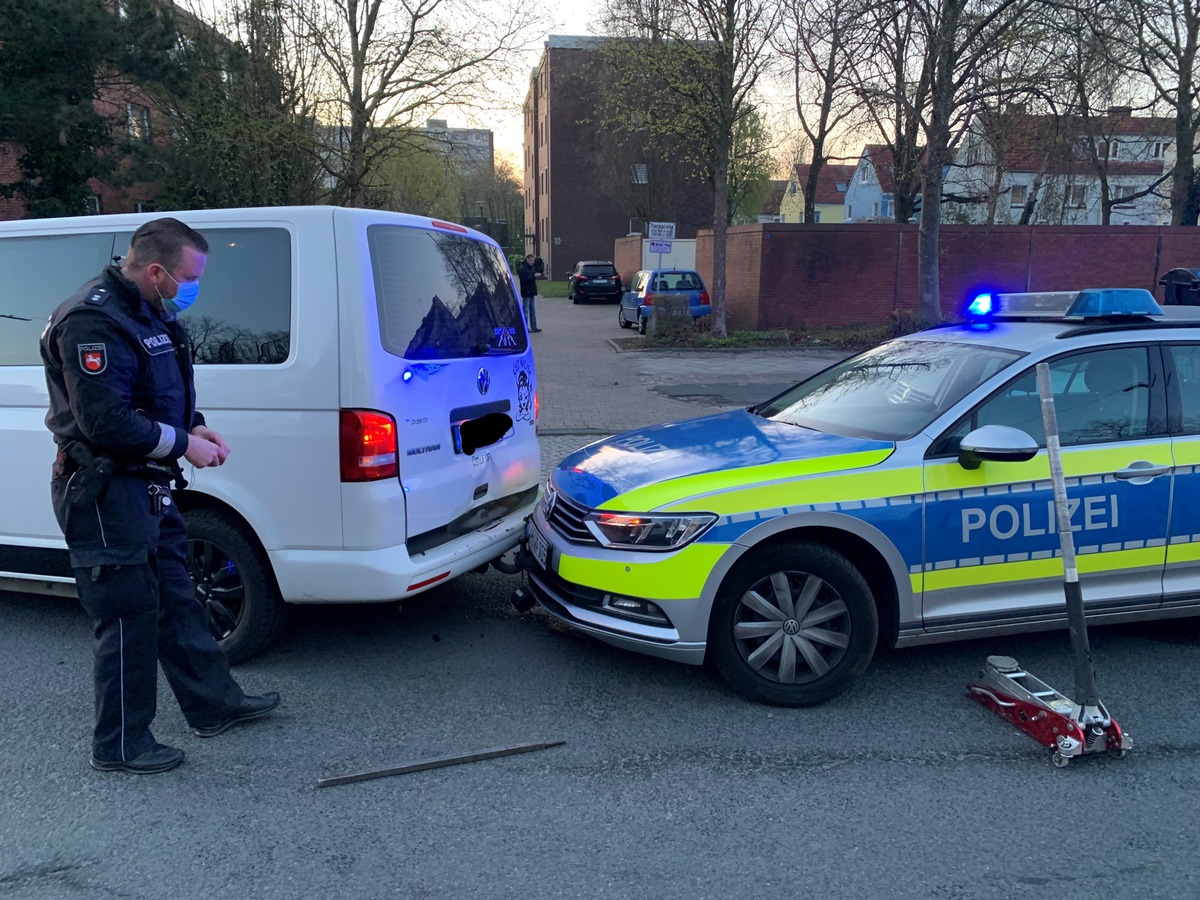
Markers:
(997, 443)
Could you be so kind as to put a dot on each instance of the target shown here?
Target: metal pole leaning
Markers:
(1087, 693)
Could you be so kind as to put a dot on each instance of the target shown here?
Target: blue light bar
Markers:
(980, 306)
(1098, 303)
(1093, 303)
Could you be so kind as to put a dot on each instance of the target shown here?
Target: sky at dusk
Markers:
(567, 17)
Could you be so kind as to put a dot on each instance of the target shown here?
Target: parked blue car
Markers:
(637, 304)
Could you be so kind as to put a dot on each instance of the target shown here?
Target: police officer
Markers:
(123, 411)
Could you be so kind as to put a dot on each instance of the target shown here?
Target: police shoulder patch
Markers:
(98, 296)
(93, 358)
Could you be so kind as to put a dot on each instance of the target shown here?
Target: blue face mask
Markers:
(185, 295)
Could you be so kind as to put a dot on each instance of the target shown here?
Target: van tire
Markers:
(837, 632)
(641, 324)
(621, 318)
(234, 584)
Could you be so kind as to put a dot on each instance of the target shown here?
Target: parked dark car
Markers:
(637, 304)
(594, 279)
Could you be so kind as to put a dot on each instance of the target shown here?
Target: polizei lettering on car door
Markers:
(1009, 520)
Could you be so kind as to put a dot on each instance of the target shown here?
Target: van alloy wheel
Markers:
(234, 584)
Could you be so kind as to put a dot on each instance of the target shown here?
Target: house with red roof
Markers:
(832, 183)
(1061, 169)
(871, 194)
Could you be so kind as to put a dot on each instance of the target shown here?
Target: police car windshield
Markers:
(890, 392)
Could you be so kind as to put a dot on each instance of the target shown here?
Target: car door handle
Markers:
(1141, 472)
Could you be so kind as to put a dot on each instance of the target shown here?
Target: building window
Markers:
(816, 216)
(1122, 194)
(94, 206)
(640, 176)
(1076, 194)
(138, 119)
(792, 188)
(1159, 149)
(875, 210)
(1019, 194)
(1109, 149)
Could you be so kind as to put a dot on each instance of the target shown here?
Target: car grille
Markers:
(566, 517)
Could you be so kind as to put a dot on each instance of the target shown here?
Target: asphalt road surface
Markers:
(668, 785)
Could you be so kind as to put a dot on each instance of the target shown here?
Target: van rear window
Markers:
(443, 296)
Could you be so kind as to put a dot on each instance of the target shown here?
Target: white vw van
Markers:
(339, 352)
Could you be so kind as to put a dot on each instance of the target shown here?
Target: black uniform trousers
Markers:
(132, 578)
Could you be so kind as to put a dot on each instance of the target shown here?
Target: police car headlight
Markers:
(647, 531)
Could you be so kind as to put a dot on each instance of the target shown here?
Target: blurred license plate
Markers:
(600, 280)
(539, 547)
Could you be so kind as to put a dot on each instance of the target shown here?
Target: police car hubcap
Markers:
(792, 627)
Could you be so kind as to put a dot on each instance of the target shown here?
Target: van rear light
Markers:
(648, 300)
(367, 444)
(448, 226)
(704, 298)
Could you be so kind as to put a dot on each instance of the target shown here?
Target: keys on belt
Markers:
(160, 499)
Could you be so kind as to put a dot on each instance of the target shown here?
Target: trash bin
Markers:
(1181, 287)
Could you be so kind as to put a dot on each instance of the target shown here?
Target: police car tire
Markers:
(263, 614)
(801, 557)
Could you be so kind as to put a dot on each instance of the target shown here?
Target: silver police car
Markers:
(879, 499)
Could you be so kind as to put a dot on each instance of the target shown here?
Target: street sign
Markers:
(660, 246)
(661, 231)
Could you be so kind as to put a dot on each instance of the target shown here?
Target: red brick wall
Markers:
(781, 276)
(10, 172)
(627, 257)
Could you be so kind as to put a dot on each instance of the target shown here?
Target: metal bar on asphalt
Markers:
(437, 763)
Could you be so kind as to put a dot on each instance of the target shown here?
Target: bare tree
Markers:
(1166, 40)
(924, 82)
(708, 55)
(820, 42)
(387, 64)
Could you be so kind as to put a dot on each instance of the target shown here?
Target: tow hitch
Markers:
(522, 598)
(1068, 727)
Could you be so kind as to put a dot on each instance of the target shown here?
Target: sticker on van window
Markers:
(524, 378)
(505, 337)
(93, 358)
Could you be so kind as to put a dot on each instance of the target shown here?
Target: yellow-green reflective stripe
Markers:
(1187, 451)
(839, 490)
(1189, 552)
(1052, 567)
(680, 491)
(1077, 462)
(676, 576)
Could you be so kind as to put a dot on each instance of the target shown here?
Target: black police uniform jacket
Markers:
(119, 373)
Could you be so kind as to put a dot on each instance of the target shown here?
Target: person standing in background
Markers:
(528, 278)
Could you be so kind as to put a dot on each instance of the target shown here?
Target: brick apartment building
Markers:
(130, 113)
(578, 200)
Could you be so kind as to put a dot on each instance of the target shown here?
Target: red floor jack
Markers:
(1067, 727)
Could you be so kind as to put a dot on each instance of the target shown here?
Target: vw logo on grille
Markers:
(484, 380)
(791, 626)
